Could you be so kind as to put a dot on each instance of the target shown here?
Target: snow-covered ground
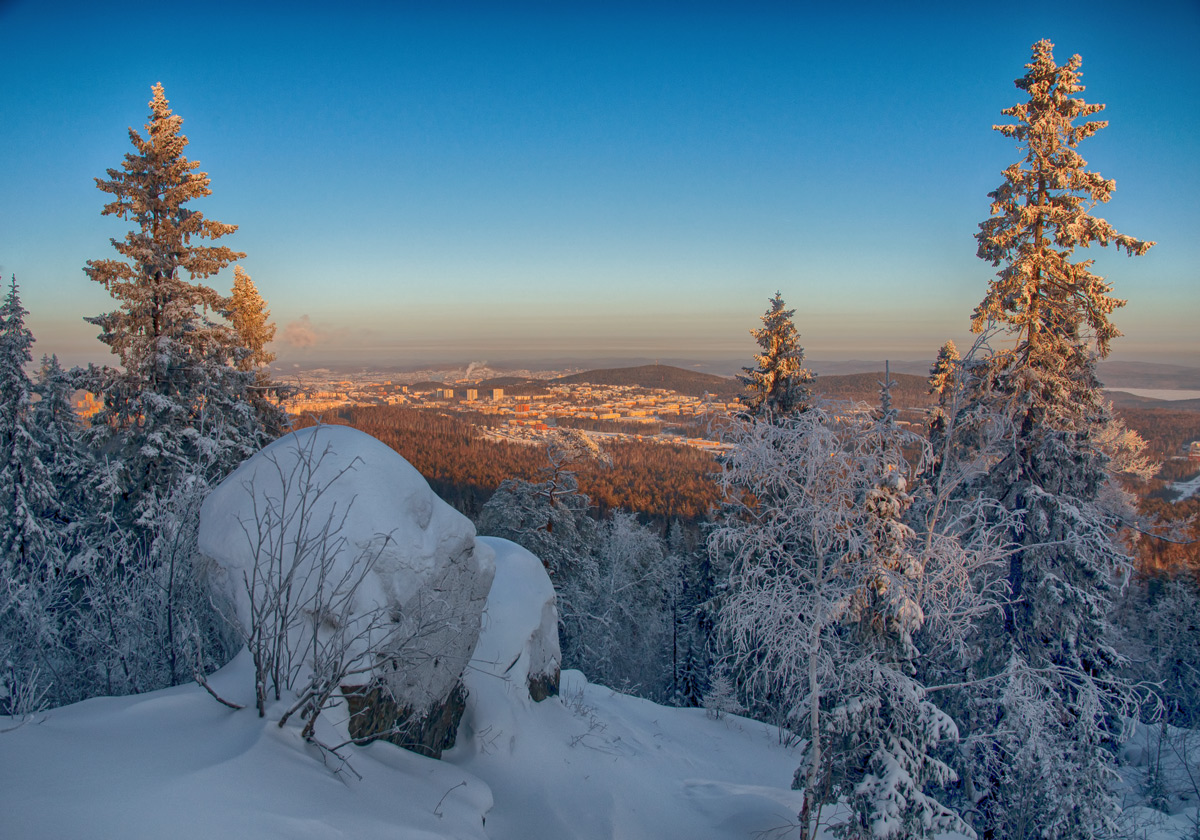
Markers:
(1160, 783)
(590, 763)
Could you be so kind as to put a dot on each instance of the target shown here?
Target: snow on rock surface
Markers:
(519, 640)
(342, 497)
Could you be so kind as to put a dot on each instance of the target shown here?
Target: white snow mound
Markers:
(337, 498)
(519, 639)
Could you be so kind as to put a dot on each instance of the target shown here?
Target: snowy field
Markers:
(588, 764)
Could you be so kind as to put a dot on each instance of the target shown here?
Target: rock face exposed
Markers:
(340, 509)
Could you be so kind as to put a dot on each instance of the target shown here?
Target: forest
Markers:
(659, 481)
(956, 603)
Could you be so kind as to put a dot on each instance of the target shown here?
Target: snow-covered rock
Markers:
(519, 640)
(344, 516)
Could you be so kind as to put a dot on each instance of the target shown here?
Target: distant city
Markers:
(525, 417)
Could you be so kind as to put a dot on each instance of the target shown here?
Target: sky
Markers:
(497, 181)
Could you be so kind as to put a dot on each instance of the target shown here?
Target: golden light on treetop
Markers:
(1041, 213)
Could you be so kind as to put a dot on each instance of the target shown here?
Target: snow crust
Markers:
(175, 763)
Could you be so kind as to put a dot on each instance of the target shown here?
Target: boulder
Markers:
(518, 645)
(349, 534)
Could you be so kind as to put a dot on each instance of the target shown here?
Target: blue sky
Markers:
(419, 182)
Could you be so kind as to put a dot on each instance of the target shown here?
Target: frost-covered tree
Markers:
(887, 411)
(251, 321)
(614, 579)
(28, 497)
(142, 614)
(779, 385)
(829, 588)
(1050, 656)
(57, 427)
(253, 330)
(1055, 306)
(178, 399)
(31, 558)
(617, 616)
(1164, 622)
(548, 517)
(692, 602)
(942, 378)
(157, 303)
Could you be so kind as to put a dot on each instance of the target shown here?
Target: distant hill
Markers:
(680, 380)
(514, 386)
(909, 391)
(676, 379)
(1148, 375)
(1121, 399)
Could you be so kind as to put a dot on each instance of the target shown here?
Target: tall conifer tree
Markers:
(251, 321)
(253, 330)
(1045, 768)
(179, 405)
(28, 498)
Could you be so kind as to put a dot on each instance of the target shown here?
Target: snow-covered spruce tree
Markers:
(887, 412)
(1041, 762)
(691, 600)
(250, 318)
(1165, 624)
(56, 426)
(779, 385)
(942, 379)
(548, 517)
(178, 393)
(828, 590)
(29, 544)
(31, 555)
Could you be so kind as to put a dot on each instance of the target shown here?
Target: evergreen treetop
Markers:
(250, 318)
(1039, 215)
(151, 189)
(181, 406)
(779, 386)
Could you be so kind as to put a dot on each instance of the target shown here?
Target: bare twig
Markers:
(203, 681)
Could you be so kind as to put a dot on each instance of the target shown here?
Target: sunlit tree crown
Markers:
(779, 385)
(1041, 213)
(251, 321)
(151, 189)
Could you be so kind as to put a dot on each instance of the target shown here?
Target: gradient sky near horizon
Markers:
(444, 182)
